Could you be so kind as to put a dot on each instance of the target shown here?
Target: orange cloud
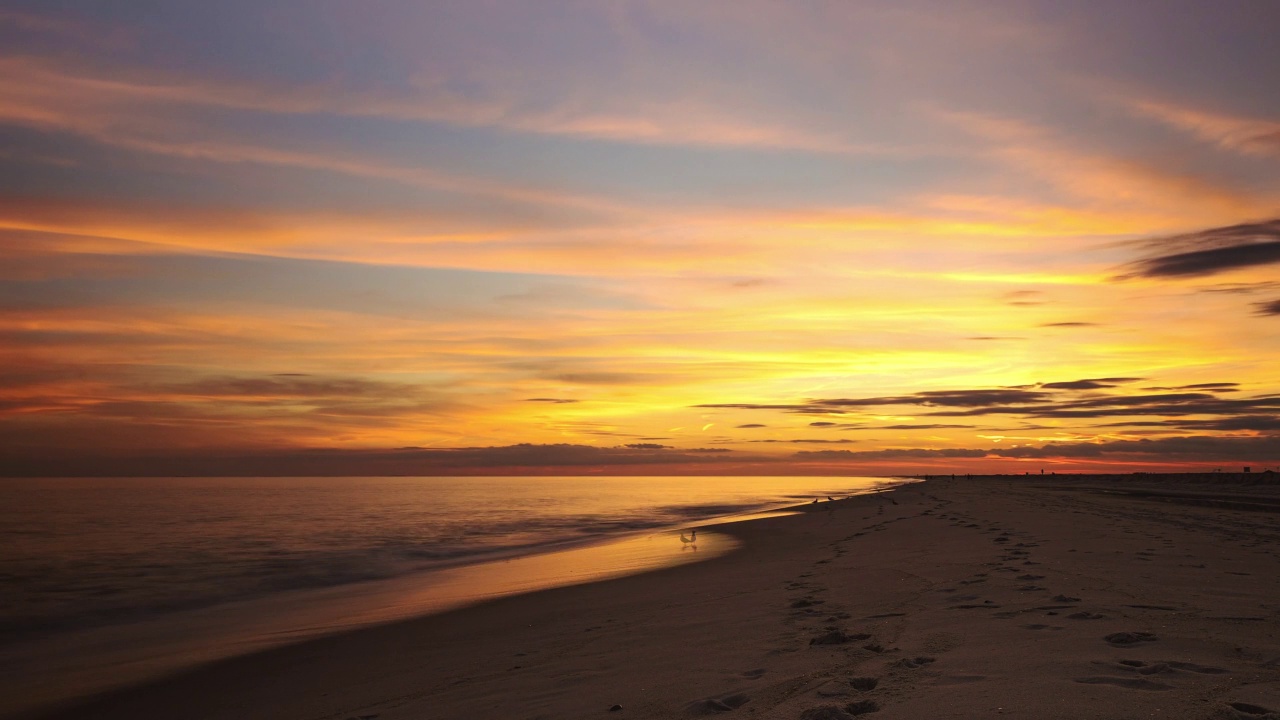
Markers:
(1109, 182)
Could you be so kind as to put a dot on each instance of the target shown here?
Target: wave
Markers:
(224, 562)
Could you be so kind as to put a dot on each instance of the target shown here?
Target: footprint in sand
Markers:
(1253, 712)
(1168, 666)
(832, 689)
(836, 712)
(913, 663)
(834, 636)
(1127, 683)
(839, 688)
(862, 707)
(864, 684)
(1129, 638)
(959, 679)
(754, 674)
(718, 705)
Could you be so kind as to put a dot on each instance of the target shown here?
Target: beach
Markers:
(1030, 597)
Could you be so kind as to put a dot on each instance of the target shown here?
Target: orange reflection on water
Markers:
(78, 664)
(454, 587)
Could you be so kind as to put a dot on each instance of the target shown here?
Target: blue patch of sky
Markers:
(61, 165)
(87, 170)
(639, 172)
(364, 44)
(380, 290)
(226, 38)
(593, 166)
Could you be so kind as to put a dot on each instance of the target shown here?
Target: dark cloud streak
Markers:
(1212, 251)
(1199, 447)
(1090, 384)
(1271, 307)
(1086, 398)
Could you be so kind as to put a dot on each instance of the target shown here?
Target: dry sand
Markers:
(1025, 598)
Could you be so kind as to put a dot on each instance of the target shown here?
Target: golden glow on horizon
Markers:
(841, 261)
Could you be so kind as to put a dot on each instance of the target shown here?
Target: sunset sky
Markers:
(638, 237)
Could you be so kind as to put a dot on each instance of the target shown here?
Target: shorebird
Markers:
(691, 540)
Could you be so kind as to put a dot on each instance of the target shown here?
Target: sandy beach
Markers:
(1040, 597)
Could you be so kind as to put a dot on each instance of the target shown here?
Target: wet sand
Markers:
(1053, 597)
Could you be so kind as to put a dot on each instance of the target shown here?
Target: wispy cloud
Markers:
(1248, 136)
(1097, 181)
(42, 92)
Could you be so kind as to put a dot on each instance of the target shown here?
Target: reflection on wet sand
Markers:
(60, 668)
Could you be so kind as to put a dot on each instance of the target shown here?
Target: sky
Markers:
(638, 237)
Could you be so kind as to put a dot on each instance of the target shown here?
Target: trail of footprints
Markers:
(1125, 673)
(844, 691)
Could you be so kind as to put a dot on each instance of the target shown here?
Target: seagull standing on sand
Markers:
(690, 541)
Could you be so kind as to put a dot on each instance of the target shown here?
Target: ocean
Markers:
(94, 565)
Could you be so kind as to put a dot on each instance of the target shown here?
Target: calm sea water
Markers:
(80, 553)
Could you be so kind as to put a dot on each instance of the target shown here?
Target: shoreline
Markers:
(133, 654)
(957, 598)
(52, 671)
